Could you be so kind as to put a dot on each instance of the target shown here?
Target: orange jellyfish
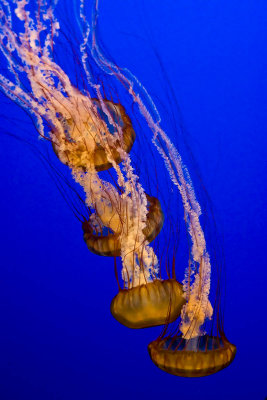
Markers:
(201, 356)
(109, 244)
(148, 304)
(76, 152)
(188, 350)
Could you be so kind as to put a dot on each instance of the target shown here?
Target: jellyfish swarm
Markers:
(144, 300)
(90, 133)
(188, 352)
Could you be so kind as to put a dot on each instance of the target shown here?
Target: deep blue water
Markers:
(58, 338)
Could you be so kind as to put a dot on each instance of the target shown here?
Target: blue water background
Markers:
(58, 339)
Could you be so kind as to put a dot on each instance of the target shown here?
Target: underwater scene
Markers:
(133, 196)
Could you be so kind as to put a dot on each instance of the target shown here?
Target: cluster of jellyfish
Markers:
(91, 135)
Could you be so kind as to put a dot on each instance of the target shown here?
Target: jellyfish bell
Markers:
(148, 304)
(148, 297)
(106, 243)
(86, 144)
(195, 345)
(188, 350)
(196, 357)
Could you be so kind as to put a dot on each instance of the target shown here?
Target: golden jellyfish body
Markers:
(197, 357)
(148, 305)
(87, 145)
(109, 244)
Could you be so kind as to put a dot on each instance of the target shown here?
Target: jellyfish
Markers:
(91, 134)
(76, 152)
(110, 244)
(197, 357)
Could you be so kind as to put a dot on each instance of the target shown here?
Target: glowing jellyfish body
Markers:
(110, 244)
(197, 357)
(148, 305)
(77, 152)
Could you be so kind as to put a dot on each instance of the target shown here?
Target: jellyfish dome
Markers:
(109, 244)
(197, 357)
(148, 305)
(95, 131)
